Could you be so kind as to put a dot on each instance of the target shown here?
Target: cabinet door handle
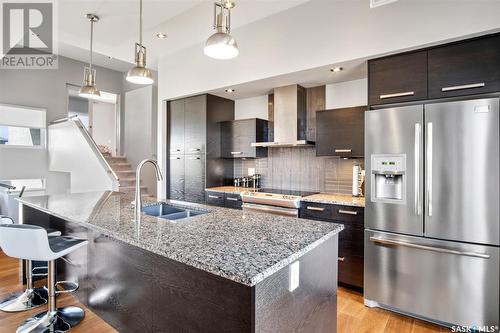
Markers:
(401, 94)
(175, 158)
(195, 149)
(343, 150)
(318, 209)
(194, 158)
(341, 259)
(348, 212)
(213, 197)
(464, 86)
(232, 199)
(236, 152)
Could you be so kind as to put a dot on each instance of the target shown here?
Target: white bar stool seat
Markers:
(32, 243)
(31, 297)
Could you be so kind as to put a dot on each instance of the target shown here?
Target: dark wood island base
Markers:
(135, 290)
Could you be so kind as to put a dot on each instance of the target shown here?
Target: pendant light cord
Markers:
(91, 41)
(140, 23)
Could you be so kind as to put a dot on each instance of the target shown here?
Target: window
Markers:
(20, 136)
(21, 126)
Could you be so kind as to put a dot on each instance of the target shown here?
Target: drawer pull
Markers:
(175, 158)
(194, 158)
(214, 197)
(348, 212)
(318, 209)
(343, 150)
(428, 248)
(232, 199)
(401, 94)
(341, 259)
(464, 86)
(236, 152)
(195, 149)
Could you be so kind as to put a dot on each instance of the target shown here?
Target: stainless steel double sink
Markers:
(170, 212)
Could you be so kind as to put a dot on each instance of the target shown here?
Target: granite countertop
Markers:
(230, 189)
(245, 247)
(336, 199)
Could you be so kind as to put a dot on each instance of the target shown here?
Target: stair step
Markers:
(121, 167)
(131, 189)
(127, 181)
(116, 159)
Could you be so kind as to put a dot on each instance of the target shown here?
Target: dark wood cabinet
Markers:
(194, 184)
(340, 132)
(232, 200)
(465, 68)
(460, 68)
(176, 127)
(399, 78)
(238, 136)
(214, 198)
(351, 239)
(195, 124)
(194, 146)
(176, 177)
(220, 199)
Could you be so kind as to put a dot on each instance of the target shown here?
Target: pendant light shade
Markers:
(139, 74)
(89, 89)
(221, 45)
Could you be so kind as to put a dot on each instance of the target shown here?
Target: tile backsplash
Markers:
(300, 169)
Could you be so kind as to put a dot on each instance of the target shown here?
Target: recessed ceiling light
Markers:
(110, 57)
(229, 90)
(161, 35)
(336, 69)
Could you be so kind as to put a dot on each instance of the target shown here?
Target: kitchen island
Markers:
(223, 271)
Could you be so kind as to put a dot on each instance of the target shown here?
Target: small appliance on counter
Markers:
(253, 181)
(358, 181)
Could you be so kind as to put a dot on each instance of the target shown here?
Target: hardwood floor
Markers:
(352, 315)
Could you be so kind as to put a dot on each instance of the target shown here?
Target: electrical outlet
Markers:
(294, 276)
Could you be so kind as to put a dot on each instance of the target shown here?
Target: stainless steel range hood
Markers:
(290, 118)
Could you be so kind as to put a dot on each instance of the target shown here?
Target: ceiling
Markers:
(186, 22)
(352, 70)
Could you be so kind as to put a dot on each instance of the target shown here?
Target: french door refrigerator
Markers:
(432, 211)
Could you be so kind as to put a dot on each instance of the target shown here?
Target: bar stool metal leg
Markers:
(55, 319)
(29, 299)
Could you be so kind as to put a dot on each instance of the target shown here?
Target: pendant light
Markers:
(89, 90)
(221, 45)
(140, 74)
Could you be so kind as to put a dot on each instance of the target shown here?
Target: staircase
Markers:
(126, 175)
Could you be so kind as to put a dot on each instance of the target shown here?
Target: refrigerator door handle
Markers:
(385, 241)
(428, 170)
(418, 133)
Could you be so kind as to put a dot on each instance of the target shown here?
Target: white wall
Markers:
(140, 131)
(69, 151)
(253, 107)
(104, 125)
(336, 31)
(346, 94)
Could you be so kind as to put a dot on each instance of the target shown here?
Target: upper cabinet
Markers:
(457, 69)
(340, 132)
(238, 136)
(399, 78)
(471, 67)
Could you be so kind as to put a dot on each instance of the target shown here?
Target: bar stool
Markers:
(31, 297)
(14, 240)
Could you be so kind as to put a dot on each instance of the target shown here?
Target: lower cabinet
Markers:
(228, 200)
(351, 239)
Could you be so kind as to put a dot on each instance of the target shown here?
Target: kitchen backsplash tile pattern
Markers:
(301, 169)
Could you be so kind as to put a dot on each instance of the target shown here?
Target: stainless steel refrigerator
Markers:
(432, 211)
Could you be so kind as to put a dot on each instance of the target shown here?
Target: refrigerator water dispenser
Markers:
(388, 178)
